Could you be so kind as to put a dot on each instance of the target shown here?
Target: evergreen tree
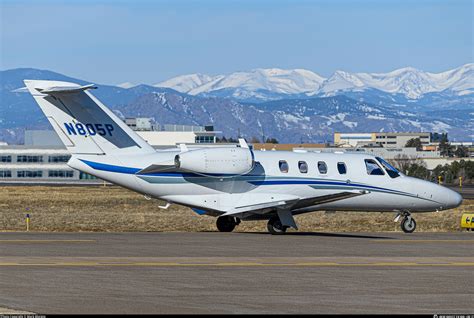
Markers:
(415, 143)
(445, 148)
(271, 141)
(461, 152)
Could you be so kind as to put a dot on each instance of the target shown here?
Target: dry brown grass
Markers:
(114, 209)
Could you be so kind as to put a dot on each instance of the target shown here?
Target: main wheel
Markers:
(408, 225)
(226, 223)
(275, 227)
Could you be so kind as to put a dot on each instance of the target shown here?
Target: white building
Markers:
(141, 123)
(169, 134)
(36, 163)
(384, 139)
(352, 139)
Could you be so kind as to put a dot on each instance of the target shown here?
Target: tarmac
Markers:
(211, 273)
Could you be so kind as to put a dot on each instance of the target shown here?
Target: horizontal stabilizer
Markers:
(65, 89)
(162, 167)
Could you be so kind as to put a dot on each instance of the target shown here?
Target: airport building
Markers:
(170, 135)
(353, 139)
(141, 123)
(384, 139)
(37, 163)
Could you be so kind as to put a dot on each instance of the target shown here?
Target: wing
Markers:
(261, 208)
(328, 198)
(291, 203)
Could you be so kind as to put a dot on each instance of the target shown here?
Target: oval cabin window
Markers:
(283, 166)
(322, 167)
(303, 166)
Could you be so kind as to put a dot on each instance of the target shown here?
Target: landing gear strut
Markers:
(227, 223)
(275, 227)
(408, 223)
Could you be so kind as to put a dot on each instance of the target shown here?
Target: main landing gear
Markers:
(227, 223)
(408, 223)
(274, 226)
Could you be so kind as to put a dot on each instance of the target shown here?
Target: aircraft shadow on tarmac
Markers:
(323, 234)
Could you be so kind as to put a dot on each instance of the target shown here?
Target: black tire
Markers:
(408, 225)
(275, 227)
(225, 223)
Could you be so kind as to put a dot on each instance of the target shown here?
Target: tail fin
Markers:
(83, 123)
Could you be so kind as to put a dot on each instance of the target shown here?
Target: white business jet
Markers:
(233, 183)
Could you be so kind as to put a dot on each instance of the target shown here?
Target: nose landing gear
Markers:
(408, 223)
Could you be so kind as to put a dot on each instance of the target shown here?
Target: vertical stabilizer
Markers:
(83, 123)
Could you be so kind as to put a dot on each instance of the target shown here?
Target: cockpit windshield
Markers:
(391, 171)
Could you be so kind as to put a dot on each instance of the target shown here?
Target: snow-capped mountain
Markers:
(408, 81)
(258, 83)
(127, 85)
(186, 83)
(273, 84)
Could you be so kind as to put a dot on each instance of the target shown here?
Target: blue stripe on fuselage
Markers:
(110, 168)
(309, 182)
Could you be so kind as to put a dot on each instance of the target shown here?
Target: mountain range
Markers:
(289, 105)
(271, 84)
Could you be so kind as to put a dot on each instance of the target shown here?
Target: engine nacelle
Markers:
(221, 161)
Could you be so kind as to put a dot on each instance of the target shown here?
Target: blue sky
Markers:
(149, 41)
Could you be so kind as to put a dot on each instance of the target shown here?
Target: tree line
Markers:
(449, 173)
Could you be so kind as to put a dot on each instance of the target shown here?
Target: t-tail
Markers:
(84, 124)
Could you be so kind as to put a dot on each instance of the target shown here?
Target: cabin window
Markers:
(373, 168)
(322, 167)
(341, 167)
(391, 171)
(283, 166)
(303, 166)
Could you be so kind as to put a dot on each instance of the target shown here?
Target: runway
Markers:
(58, 273)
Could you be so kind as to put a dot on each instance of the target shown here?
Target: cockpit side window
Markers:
(373, 168)
(283, 166)
(322, 167)
(391, 171)
(303, 166)
(341, 167)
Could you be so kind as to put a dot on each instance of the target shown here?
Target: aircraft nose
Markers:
(452, 199)
(441, 198)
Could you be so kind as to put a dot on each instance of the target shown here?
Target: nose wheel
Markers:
(408, 224)
(227, 223)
